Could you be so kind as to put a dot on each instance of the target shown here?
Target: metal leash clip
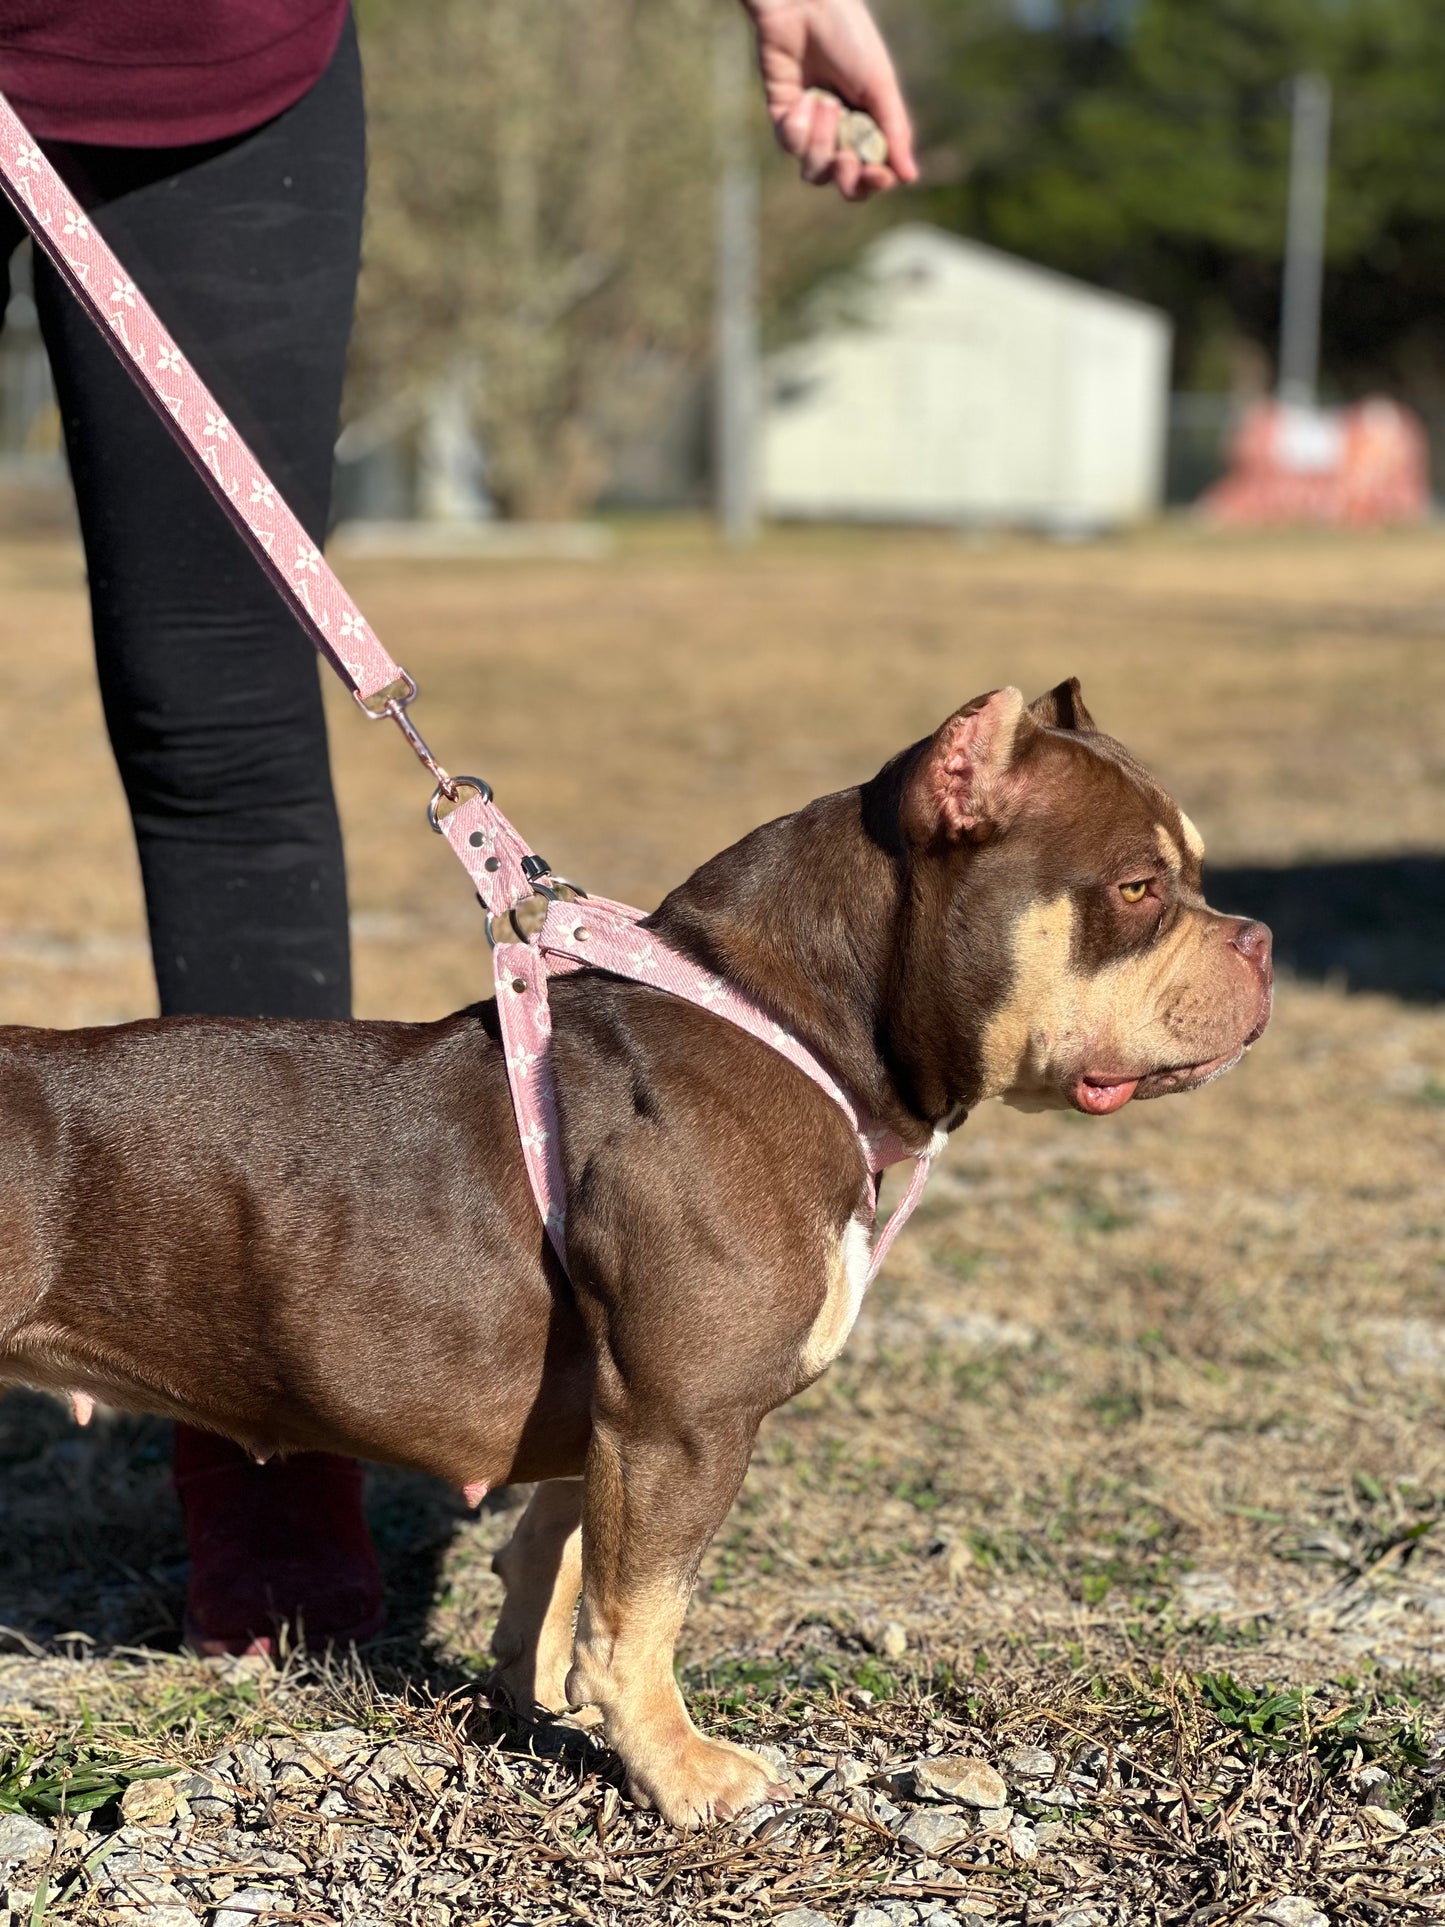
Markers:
(390, 705)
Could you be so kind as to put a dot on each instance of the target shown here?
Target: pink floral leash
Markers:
(587, 931)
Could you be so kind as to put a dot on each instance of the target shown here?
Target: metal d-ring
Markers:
(539, 889)
(477, 783)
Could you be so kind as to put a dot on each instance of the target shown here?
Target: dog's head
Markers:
(1057, 946)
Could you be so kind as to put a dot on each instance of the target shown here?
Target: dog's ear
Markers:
(1063, 708)
(959, 789)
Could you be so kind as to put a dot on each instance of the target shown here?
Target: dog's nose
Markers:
(1253, 942)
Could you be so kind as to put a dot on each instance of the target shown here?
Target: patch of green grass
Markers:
(979, 1378)
(1337, 1726)
(917, 1487)
(1368, 1523)
(867, 1673)
(69, 1779)
(1083, 1208)
(1432, 1092)
(739, 1692)
(1145, 1573)
(1094, 1541)
(1006, 1551)
(962, 1265)
(730, 1685)
(1117, 1407)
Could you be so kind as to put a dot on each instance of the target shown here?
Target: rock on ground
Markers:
(1022, 1764)
(1292, 1910)
(244, 1905)
(150, 1803)
(22, 1838)
(936, 1831)
(959, 1776)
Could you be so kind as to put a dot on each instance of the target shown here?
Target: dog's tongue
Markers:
(1099, 1099)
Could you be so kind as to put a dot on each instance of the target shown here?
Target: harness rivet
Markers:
(476, 839)
(492, 862)
(581, 933)
(519, 984)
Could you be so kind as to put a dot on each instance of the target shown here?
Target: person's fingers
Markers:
(898, 132)
(794, 124)
(847, 172)
(821, 154)
(871, 181)
(884, 101)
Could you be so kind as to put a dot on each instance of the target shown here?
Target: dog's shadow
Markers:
(93, 1554)
(1366, 923)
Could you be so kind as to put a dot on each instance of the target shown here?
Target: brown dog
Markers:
(320, 1236)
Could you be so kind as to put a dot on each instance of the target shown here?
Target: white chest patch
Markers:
(844, 1300)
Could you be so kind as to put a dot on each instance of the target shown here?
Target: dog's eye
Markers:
(1134, 892)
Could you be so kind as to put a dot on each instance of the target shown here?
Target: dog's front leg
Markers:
(541, 1568)
(653, 1499)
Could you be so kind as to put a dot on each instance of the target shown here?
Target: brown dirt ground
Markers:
(1139, 1402)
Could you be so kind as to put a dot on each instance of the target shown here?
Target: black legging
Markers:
(248, 249)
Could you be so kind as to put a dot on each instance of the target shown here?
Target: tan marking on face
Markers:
(1042, 942)
(541, 1568)
(1193, 841)
(1182, 1000)
(842, 1301)
(1168, 848)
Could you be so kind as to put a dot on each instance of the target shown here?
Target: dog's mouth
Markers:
(1099, 1093)
(1098, 1096)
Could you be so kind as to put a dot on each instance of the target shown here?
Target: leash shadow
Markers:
(1364, 923)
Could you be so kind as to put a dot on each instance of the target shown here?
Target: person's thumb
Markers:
(884, 101)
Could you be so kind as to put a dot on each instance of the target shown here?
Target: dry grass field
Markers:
(1136, 1455)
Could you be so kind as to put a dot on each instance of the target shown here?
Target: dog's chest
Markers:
(848, 1280)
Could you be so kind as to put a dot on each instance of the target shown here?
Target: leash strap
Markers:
(504, 870)
(189, 410)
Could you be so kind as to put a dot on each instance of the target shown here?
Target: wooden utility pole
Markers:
(736, 358)
(1304, 255)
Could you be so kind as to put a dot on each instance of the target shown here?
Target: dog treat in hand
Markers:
(858, 133)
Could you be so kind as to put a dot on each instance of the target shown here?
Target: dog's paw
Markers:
(704, 1781)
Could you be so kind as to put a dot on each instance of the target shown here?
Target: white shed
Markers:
(962, 385)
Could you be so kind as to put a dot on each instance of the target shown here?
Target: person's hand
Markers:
(834, 45)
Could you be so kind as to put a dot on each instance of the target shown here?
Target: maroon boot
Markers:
(280, 1544)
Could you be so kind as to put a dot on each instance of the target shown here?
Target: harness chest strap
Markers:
(606, 935)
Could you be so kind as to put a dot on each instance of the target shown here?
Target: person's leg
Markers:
(249, 251)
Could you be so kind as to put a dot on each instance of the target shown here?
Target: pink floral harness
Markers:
(608, 936)
(505, 872)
